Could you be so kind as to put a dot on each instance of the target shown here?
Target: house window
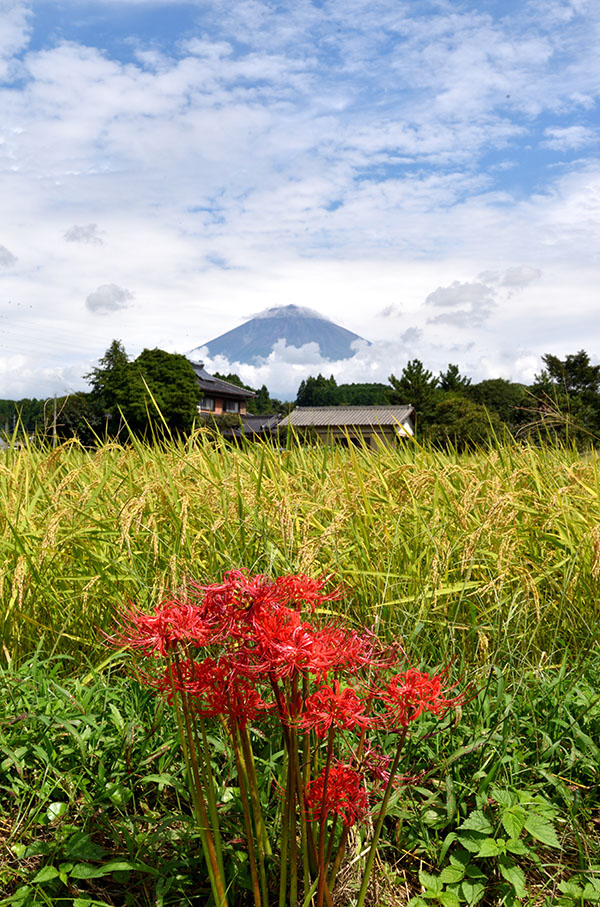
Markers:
(207, 403)
(231, 406)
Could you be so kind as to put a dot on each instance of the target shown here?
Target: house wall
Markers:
(219, 407)
(372, 436)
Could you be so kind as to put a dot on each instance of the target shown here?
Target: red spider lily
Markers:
(214, 688)
(330, 706)
(346, 795)
(165, 628)
(335, 649)
(297, 589)
(413, 692)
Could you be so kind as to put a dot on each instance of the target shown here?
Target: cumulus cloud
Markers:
(108, 298)
(514, 278)
(84, 234)
(567, 138)
(471, 303)
(7, 259)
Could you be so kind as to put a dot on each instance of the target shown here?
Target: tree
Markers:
(319, 391)
(111, 381)
(452, 380)
(462, 424)
(168, 382)
(510, 401)
(418, 387)
(568, 398)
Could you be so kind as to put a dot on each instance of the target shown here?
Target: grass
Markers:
(490, 559)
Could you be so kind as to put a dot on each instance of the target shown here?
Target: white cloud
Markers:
(565, 138)
(84, 234)
(108, 298)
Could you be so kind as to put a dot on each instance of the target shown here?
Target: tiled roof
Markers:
(345, 416)
(211, 385)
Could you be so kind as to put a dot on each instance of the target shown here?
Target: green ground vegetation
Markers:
(489, 560)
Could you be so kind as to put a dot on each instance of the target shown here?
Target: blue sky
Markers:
(424, 173)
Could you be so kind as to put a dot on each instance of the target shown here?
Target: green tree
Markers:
(418, 387)
(112, 394)
(460, 423)
(567, 394)
(319, 391)
(510, 401)
(167, 381)
(452, 380)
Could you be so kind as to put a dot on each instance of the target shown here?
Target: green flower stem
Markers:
(259, 825)
(379, 824)
(246, 812)
(323, 819)
(285, 830)
(254, 790)
(217, 879)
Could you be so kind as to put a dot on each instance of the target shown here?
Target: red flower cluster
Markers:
(331, 707)
(344, 796)
(413, 692)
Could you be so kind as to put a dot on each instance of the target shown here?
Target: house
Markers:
(220, 396)
(370, 425)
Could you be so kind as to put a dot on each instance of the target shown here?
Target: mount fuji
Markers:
(254, 340)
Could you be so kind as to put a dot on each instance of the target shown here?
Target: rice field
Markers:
(482, 556)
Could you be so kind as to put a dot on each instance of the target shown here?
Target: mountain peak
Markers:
(296, 325)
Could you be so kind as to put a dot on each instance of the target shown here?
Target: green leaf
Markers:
(571, 889)
(45, 874)
(489, 848)
(451, 874)
(56, 810)
(87, 871)
(506, 798)
(513, 874)
(591, 891)
(513, 821)
(418, 902)
(433, 884)
(518, 847)
(449, 899)
(477, 821)
(460, 857)
(541, 829)
(471, 840)
(472, 891)
(81, 847)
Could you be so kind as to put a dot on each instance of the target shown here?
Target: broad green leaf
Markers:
(513, 874)
(87, 871)
(518, 847)
(449, 899)
(472, 891)
(506, 798)
(56, 810)
(513, 821)
(471, 840)
(418, 902)
(45, 874)
(477, 821)
(452, 874)
(460, 857)
(570, 888)
(489, 848)
(591, 891)
(541, 829)
(81, 847)
(430, 882)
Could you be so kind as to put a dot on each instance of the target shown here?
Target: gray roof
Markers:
(345, 416)
(211, 385)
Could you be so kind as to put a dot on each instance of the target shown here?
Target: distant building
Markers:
(370, 425)
(220, 396)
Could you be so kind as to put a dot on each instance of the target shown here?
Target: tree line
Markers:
(159, 390)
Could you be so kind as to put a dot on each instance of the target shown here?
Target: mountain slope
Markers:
(295, 324)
